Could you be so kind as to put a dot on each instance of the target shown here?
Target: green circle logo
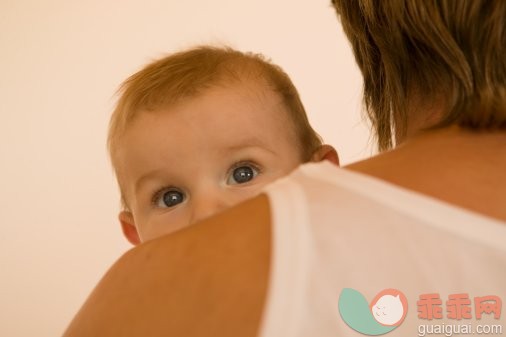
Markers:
(385, 312)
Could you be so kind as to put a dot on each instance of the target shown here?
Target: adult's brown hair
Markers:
(425, 53)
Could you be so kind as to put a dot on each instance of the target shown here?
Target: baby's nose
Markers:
(206, 207)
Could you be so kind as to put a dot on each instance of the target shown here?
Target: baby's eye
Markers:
(169, 198)
(242, 174)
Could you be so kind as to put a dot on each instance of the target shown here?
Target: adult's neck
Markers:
(462, 167)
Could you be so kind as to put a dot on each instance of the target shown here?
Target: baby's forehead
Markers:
(256, 94)
(231, 115)
(224, 117)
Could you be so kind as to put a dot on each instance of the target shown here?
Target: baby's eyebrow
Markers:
(150, 175)
(247, 143)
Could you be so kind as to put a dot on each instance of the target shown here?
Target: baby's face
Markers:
(182, 164)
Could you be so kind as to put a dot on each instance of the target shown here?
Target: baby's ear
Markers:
(325, 152)
(128, 226)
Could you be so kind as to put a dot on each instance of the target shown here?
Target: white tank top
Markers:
(354, 255)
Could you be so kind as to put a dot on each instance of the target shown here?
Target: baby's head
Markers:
(202, 130)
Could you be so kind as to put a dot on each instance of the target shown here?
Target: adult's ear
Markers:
(325, 152)
(128, 227)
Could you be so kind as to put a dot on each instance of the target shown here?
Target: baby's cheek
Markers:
(164, 224)
(248, 194)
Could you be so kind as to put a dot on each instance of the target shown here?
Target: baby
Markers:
(200, 131)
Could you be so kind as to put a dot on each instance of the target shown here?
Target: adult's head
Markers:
(428, 63)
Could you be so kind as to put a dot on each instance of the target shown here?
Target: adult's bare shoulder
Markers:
(207, 280)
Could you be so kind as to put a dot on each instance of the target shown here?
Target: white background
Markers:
(60, 64)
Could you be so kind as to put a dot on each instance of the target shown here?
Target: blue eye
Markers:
(169, 198)
(242, 174)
